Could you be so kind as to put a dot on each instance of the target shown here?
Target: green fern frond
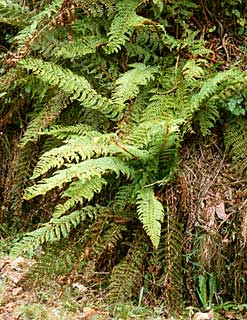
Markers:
(147, 39)
(77, 192)
(127, 86)
(123, 24)
(134, 113)
(106, 243)
(37, 21)
(62, 132)
(126, 151)
(135, 50)
(235, 139)
(83, 171)
(53, 230)
(125, 195)
(13, 13)
(76, 86)
(75, 149)
(216, 85)
(143, 135)
(193, 70)
(207, 118)
(170, 252)
(151, 214)
(127, 275)
(80, 47)
(46, 117)
(160, 106)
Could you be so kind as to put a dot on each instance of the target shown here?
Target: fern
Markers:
(13, 13)
(24, 164)
(126, 276)
(105, 93)
(193, 70)
(77, 192)
(104, 239)
(127, 86)
(80, 48)
(62, 132)
(151, 214)
(77, 86)
(37, 22)
(123, 25)
(207, 118)
(83, 171)
(171, 254)
(53, 230)
(216, 85)
(105, 245)
(75, 149)
(58, 260)
(46, 117)
(235, 138)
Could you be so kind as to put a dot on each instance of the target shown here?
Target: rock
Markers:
(14, 277)
(79, 287)
(88, 313)
(11, 305)
(17, 291)
(204, 315)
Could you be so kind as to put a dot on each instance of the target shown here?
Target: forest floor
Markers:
(16, 303)
(20, 303)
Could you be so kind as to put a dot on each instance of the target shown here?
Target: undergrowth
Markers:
(98, 100)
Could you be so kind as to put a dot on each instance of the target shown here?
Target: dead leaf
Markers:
(204, 315)
(220, 211)
(88, 313)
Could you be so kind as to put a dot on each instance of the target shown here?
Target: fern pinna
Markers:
(110, 94)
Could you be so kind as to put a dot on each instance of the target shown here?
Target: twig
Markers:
(224, 47)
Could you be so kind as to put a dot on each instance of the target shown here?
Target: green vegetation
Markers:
(123, 129)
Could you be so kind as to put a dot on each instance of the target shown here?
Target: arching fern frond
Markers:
(62, 132)
(77, 192)
(53, 230)
(83, 171)
(207, 117)
(123, 24)
(75, 149)
(76, 86)
(80, 47)
(127, 86)
(46, 117)
(230, 79)
(151, 214)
